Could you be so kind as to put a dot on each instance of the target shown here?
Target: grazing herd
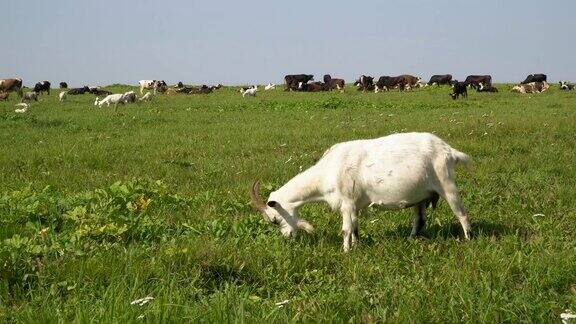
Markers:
(534, 83)
(185, 89)
(27, 97)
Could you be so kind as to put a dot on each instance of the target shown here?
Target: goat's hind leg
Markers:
(419, 219)
(450, 193)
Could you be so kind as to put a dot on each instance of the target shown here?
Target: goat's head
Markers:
(280, 213)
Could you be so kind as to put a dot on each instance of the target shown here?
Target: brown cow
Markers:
(334, 83)
(7, 85)
(409, 81)
(532, 87)
(4, 96)
(402, 82)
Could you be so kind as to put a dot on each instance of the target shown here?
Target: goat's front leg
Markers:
(355, 234)
(349, 225)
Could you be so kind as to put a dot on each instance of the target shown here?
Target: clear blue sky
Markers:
(237, 42)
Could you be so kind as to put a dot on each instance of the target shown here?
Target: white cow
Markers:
(151, 84)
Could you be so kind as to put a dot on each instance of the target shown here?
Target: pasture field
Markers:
(101, 207)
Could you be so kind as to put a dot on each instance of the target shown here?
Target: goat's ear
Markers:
(272, 204)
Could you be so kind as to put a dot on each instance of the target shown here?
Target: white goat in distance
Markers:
(117, 98)
(110, 99)
(146, 97)
(395, 172)
(249, 92)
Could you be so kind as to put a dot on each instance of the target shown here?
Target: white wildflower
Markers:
(567, 317)
(282, 303)
(142, 301)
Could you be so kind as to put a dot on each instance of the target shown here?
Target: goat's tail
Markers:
(463, 158)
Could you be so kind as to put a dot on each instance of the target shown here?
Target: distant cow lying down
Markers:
(79, 91)
(565, 85)
(486, 88)
(532, 87)
(313, 87)
(29, 96)
(334, 83)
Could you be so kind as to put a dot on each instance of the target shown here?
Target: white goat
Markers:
(250, 92)
(146, 97)
(62, 95)
(110, 99)
(270, 86)
(395, 172)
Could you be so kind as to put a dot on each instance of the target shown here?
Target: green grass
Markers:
(100, 207)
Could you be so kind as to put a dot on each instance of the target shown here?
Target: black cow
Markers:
(204, 89)
(99, 92)
(440, 79)
(459, 89)
(63, 85)
(474, 80)
(313, 87)
(78, 91)
(387, 83)
(42, 86)
(365, 83)
(534, 78)
(293, 80)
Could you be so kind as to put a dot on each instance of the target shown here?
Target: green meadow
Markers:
(103, 206)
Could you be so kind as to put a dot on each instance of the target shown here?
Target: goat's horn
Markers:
(257, 202)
